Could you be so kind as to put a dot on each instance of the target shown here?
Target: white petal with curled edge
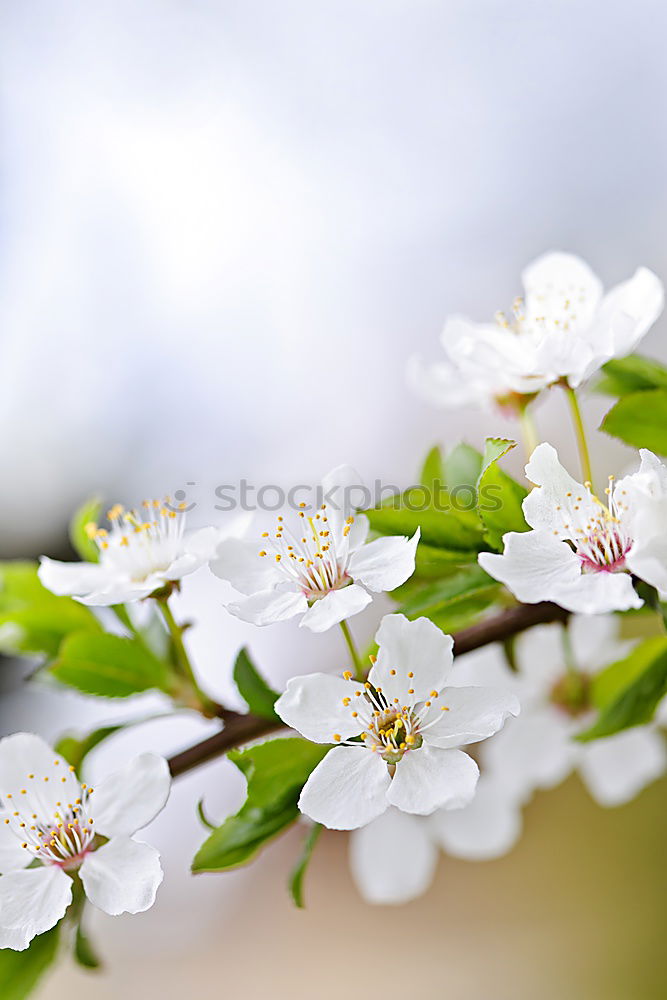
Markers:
(122, 877)
(487, 827)
(334, 607)
(626, 314)
(534, 751)
(468, 714)
(535, 566)
(269, 607)
(13, 856)
(598, 593)
(429, 778)
(347, 789)
(131, 797)
(557, 499)
(393, 859)
(31, 903)
(617, 768)
(408, 647)
(319, 706)
(240, 563)
(24, 754)
(385, 563)
(72, 579)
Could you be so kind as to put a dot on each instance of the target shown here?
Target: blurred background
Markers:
(224, 228)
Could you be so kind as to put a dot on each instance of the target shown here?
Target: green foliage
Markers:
(443, 526)
(632, 374)
(462, 467)
(295, 884)
(253, 688)
(276, 771)
(432, 470)
(20, 971)
(640, 419)
(32, 619)
(628, 692)
(499, 496)
(109, 666)
(88, 512)
(454, 601)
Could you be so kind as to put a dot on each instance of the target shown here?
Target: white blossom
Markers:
(139, 553)
(562, 328)
(582, 550)
(398, 734)
(49, 817)
(316, 563)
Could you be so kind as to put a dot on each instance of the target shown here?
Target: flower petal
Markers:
(67, 579)
(393, 859)
(358, 532)
(122, 877)
(24, 754)
(487, 827)
(130, 798)
(555, 277)
(534, 751)
(13, 857)
(557, 499)
(535, 567)
(617, 768)
(418, 647)
(32, 902)
(269, 607)
(386, 563)
(240, 563)
(626, 314)
(315, 706)
(474, 713)
(429, 778)
(347, 789)
(334, 607)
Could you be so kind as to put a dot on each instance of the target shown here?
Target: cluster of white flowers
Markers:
(396, 774)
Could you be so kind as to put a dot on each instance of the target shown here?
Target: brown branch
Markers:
(239, 729)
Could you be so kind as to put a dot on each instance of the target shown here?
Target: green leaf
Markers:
(276, 771)
(632, 374)
(432, 470)
(435, 597)
(20, 971)
(296, 878)
(259, 697)
(628, 691)
(88, 513)
(84, 952)
(109, 666)
(640, 419)
(32, 619)
(444, 526)
(499, 496)
(462, 467)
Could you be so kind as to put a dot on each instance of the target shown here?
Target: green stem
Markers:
(580, 431)
(182, 659)
(529, 433)
(356, 659)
